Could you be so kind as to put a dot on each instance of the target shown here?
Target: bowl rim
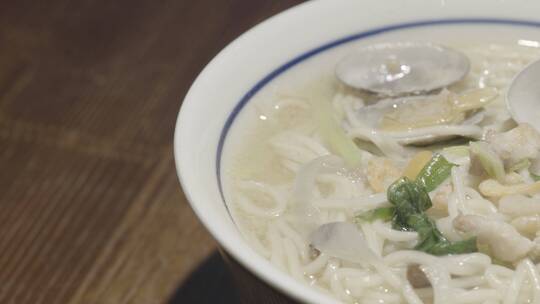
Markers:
(278, 279)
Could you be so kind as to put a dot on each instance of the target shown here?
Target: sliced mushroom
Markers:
(417, 277)
(342, 240)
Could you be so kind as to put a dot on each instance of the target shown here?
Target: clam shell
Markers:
(399, 68)
(426, 119)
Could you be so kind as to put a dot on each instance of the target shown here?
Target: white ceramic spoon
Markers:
(523, 96)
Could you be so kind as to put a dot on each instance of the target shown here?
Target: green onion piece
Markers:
(434, 173)
(411, 200)
(490, 161)
(383, 213)
(333, 135)
(458, 151)
(446, 247)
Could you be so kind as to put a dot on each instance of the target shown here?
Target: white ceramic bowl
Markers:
(262, 53)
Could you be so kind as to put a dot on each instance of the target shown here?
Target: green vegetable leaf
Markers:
(410, 200)
(406, 194)
(434, 173)
(535, 177)
(382, 213)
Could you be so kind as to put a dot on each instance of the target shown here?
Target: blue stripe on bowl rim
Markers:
(354, 37)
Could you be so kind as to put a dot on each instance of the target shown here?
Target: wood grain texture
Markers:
(90, 207)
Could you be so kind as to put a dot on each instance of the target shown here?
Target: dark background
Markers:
(90, 207)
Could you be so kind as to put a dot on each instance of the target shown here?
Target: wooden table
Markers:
(91, 209)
